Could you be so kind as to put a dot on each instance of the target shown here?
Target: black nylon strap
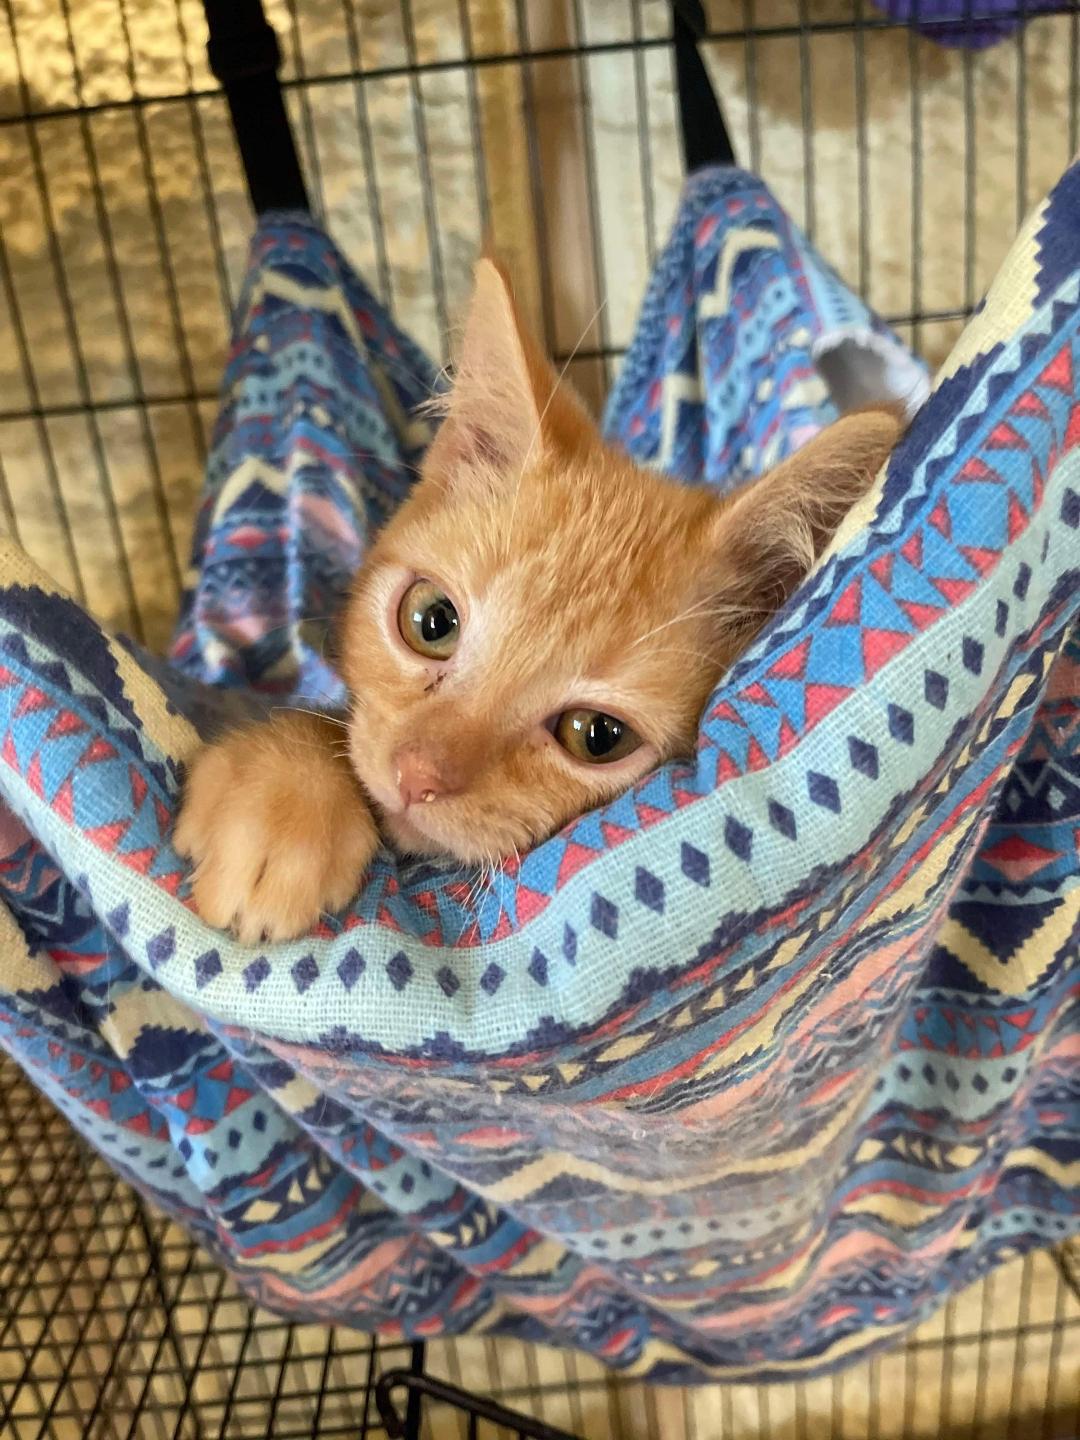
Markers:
(244, 56)
(705, 139)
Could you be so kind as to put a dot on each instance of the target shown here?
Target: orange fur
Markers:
(579, 579)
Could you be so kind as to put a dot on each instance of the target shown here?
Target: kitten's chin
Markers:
(411, 839)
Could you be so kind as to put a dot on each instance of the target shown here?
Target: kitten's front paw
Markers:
(278, 829)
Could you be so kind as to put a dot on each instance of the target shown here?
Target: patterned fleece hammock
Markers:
(739, 1076)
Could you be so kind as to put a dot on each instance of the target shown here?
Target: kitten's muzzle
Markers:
(422, 775)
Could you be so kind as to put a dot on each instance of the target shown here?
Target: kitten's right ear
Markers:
(773, 532)
(505, 406)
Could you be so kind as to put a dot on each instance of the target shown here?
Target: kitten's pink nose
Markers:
(421, 777)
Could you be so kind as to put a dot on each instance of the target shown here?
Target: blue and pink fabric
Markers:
(739, 1076)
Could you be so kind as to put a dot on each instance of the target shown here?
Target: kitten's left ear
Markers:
(772, 533)
(506, 404)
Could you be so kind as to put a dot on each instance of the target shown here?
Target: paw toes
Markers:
(185, 836)
(218, 914)
(340, 890)
(267, 865)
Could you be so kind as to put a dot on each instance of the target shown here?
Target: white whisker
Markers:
(702, 655)
(316, 714)
(708, 607)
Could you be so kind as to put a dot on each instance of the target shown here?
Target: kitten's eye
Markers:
(428, 621)
(594, 737)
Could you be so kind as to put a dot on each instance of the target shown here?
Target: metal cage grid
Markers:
(112, 1323)
(125, 218)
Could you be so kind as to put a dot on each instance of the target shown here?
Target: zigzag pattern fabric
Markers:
(737, 1077)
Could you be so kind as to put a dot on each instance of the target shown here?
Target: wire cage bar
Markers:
(421, 125)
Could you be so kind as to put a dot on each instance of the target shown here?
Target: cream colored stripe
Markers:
(655, 1351)
(717, 301)
(1067, 1175)
(19, 970)
(523, 1182)
(1020, 971)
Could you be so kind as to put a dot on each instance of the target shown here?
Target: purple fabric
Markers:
(970, 24)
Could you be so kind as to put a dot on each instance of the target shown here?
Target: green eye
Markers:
(594, 737)
(428, 621)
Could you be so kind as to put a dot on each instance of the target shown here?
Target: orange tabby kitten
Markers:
(538, 626)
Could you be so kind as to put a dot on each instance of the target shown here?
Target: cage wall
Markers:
(550, 124)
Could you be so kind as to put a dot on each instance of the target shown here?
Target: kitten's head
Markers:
(542, 621)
